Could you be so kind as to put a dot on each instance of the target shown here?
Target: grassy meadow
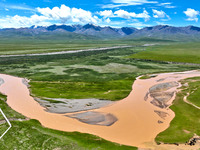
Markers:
(98, 74)
(174, 52)
(31, 45)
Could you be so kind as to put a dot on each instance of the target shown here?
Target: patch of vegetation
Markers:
(111, 90)
(109, 68)
(98, 74)
(147, 76)
(12, 44)
(177, 52)
(187, 118)
(194, 97)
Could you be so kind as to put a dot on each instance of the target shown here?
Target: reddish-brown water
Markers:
(137, 123)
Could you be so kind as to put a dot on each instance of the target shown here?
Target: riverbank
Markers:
(185, 126)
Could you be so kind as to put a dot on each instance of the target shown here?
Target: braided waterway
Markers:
(140, 118)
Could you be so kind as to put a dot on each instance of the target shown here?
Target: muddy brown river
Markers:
(140, 118)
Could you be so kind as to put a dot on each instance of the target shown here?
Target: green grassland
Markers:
(46, 46)
(29, 135)
(195, 96)
(98, 74)
(31, 45)
(176, 52)
(187, 118)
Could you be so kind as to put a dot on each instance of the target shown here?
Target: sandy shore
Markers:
(95, 118)
(62, 106)
(1, 81)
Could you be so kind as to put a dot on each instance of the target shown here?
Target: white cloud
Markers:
(82, 16)
(162, 23)
(17, 7)
(167, 5)
(119, 3)
(47, 16)
(138, 25)
(56, 13)
(124, 14)
(108, 20)
(127, 15)
(162, 4)
(160, 14)
(133, 2)
(20, 7)
(192, 14)
(21, 21)
(67, 14)
(106, 13)
(144, 15)
(114, 24)
(112, 6)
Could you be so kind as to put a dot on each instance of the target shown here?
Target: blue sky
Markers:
(116, 13)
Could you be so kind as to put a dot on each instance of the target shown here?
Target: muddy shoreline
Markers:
(1, 81)
(63, 106)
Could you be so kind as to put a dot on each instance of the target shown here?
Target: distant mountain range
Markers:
(90, 31)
